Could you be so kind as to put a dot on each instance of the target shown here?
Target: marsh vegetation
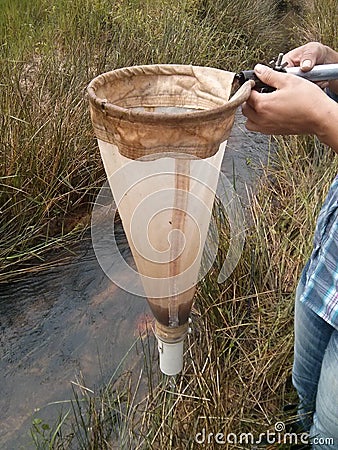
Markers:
(238, 361)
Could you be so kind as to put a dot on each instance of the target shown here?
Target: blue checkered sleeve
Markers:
(320, 275)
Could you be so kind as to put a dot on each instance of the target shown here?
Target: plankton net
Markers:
(162, 132)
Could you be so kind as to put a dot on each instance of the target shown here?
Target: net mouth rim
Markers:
(131, 115)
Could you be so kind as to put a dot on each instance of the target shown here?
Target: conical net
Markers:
(162, 134)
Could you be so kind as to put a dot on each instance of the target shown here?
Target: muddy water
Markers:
(71, 321)
(54, 327)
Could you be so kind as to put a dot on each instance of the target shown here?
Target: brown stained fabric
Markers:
(125, 109)
(182, 184)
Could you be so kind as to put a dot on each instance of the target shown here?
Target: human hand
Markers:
(311, 54)
(297, 106)
(308, 55)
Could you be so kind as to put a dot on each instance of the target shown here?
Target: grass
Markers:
(239, 355)
(238, 359)
(51, 168)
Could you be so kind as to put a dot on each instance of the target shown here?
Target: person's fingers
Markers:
(252, 126)
(322, 84)
(307, 62)
(247, 110)
(291, 61)
(252, 100)
(312, 54)
(251, 115)
(306, 56)
(269, 76)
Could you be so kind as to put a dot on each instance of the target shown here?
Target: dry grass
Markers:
(239, 355)
(51, 168)
(238, 358)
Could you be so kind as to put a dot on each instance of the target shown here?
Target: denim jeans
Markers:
(315, 376)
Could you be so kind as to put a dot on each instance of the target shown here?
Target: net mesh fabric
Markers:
(161, 131)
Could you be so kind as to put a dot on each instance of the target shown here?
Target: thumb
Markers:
(307, 61)
(269, 76)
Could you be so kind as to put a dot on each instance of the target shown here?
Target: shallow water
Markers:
(71, 320)
(55, 326)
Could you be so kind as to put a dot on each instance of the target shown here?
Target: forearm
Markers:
(332, 58)
(331, 55)
(327, 125)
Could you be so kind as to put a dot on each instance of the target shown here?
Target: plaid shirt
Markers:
(320, 275)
